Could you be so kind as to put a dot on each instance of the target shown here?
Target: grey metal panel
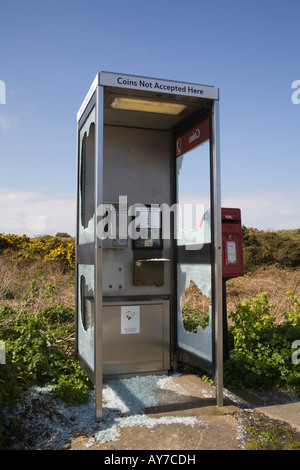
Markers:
(88, 97)
(137, 164)
(146, 351)
(98, 255)
(84, 254)
(217, 223)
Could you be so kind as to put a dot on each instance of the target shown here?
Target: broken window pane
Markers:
(198, 342)
(195, 308)
(85, 318)
(86, 206)
(193, 197)
(194, 278)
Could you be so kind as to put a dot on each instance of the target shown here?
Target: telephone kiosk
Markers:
(136, 136)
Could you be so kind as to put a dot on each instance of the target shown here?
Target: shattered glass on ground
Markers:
(48, 423)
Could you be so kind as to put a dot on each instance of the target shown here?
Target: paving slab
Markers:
(183, 397)
(215, 428)
(276, 404)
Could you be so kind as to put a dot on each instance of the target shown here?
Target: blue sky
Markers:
(51, 50)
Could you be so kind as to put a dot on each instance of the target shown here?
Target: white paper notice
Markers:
(231, 252)
(142, 217)
(148, 217)
(130, 320)
(155, 217)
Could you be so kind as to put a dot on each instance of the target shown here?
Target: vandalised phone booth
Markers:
(149, 246)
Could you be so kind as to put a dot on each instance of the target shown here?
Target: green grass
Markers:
(263, 433)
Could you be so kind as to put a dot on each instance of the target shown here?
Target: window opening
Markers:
(86, 205)
(195, 308)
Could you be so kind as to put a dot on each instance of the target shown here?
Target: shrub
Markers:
(280, 248)
(192, 318)
(59, 249)
(260, 350)
(58, 314)
(73, 390)
(35, 355)
(64, 254)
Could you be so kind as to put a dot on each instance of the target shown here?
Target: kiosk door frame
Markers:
(90, 254)
(210, 254)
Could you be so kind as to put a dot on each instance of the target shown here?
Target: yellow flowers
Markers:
(63, 253)
(60, 248)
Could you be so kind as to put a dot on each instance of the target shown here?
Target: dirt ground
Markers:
(271, 279)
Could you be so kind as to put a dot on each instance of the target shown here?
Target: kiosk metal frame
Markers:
(199, 103)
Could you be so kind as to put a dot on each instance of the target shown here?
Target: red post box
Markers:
(232, 244)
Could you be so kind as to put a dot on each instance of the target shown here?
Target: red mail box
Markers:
(232, 243)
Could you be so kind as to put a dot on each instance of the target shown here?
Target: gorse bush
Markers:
(281, 248)
(59, 249)
(260, 351)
